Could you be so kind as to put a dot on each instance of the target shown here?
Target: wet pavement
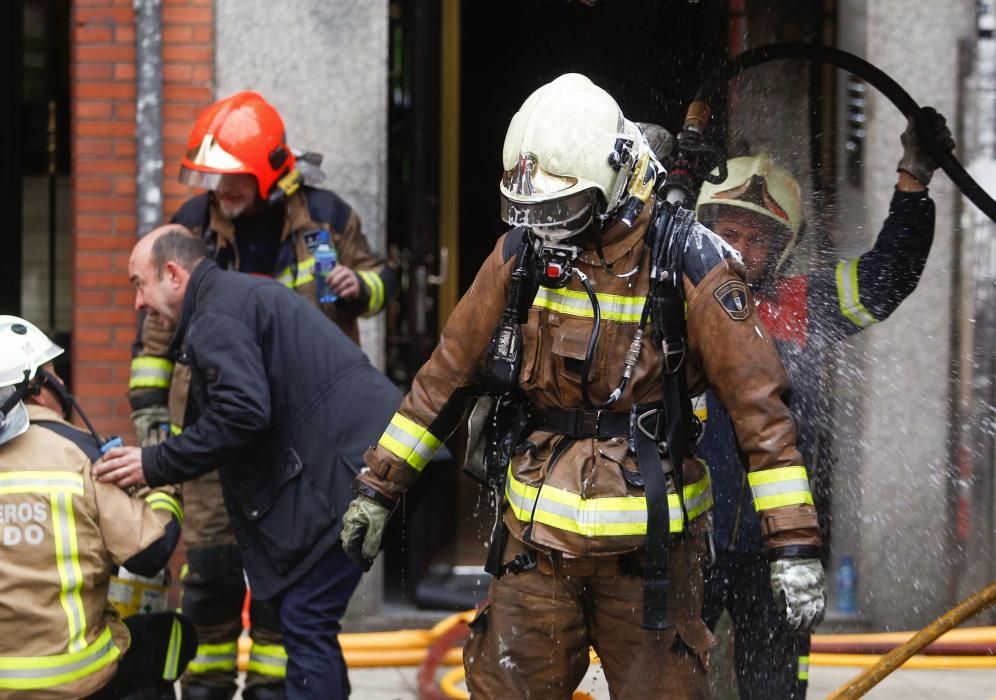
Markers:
(400, 684)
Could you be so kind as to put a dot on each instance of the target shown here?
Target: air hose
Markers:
(945, 159)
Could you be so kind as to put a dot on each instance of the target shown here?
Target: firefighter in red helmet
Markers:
(261, 214)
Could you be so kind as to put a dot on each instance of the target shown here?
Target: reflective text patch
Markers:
(732, 296)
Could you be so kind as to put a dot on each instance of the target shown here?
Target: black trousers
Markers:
(770, 660)
(159, 652)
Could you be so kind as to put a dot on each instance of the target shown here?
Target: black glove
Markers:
(916, 160)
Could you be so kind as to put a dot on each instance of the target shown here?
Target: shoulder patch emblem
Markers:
(732, 296)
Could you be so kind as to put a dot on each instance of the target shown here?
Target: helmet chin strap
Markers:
(20, 391)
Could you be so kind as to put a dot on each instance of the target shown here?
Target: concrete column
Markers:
(892, 485)
(323, 64)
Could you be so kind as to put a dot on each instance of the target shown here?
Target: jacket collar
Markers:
(204, 269)
(37, 412)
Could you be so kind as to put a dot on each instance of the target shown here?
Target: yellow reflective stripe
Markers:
(163, 501)
(803, 668)
(174, 429)
(150, 373)
(612, 516)
(214, 657)
(67, 562)
(268, 660)
(305, 274)
(613, 307)
(375, 286)
(407, 440)
(848, 294)
(41, 482)
(171, 669)
(34, 672)
(784, 486)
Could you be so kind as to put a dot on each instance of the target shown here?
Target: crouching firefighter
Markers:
(64, 535)
(577, 323)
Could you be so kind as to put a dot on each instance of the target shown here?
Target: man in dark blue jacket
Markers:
(274, 405)
(758, 211)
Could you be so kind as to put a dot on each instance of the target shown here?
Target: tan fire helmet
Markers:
(759, 185)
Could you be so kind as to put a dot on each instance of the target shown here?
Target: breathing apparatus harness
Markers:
(666, 428)
(44, 379)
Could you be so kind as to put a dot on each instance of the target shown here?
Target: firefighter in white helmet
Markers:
(63, 537)
(601, 535)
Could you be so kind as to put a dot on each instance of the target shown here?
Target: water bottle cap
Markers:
(323, 236)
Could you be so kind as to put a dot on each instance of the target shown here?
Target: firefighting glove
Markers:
(916, 160)
(799, 587)
(363, 529)
(151, 424)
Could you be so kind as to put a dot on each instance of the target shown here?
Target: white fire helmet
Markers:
(23, 350)
(569, 154)
(759, 185)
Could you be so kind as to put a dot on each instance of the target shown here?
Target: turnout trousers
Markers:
(532, 638)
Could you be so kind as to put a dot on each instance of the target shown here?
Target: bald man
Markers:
(274, 406)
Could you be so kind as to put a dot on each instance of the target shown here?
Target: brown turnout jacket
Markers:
(586, 506)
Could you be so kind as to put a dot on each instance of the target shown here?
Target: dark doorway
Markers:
(35, 270)
(651, 55)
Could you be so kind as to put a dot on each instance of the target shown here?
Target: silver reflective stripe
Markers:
(94, 653)
(14, 482)
(612, 306)
(776, 488)
(69, 570)
(425, 452)
(849, 294)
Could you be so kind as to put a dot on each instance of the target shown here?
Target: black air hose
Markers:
(945, 159)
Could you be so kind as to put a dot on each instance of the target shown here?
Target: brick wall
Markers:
(103, 138)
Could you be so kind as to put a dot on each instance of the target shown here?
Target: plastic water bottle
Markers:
(325, 260)
(847, 586)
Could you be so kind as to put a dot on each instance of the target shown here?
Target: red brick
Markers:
(105, 128)
(92, 71)
(124, 71)
(91, 109)
(124, 335)
(105, 166)
(88, 243)
(93, 185)
(124, 34)
(202, 73)
(203, 35)
(178, 34)
(123, 186)
(92, 336)
(104, 204)
(173, 112)
(93, 147)
(125, 224)
(120, 353)
(190, 53)
(124, 111)
(125, 148)
(124, 298)
(92, 33)
(105, 90)
(105, 389)
(91, 222)
(104, 15)
(85, 298)
(105, 54)
(187, 15)
(177, 72)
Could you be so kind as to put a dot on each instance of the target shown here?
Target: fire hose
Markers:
(732, 67)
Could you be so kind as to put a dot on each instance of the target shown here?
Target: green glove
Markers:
(363, 529)
(149, 424)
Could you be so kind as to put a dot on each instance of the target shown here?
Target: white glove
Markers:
(799, 587)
